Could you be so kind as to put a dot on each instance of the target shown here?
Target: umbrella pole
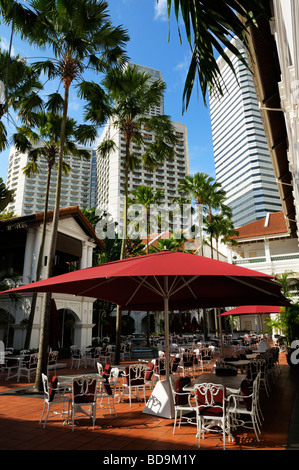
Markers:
(220, 331)
(166, 329)
(160, 402)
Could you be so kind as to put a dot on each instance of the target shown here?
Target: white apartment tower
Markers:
(77, 188)
(111, 174)
(242, 160)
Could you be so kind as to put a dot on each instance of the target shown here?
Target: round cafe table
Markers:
(231, 382)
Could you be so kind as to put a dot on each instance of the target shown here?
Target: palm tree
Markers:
(6, 195)
(289, 282)
(82, 37)
(145, 196)
(219, 226)
(198, 188)
(215, 201)
(172, 244)
(210, 26)
(19, 85)
(132, 95)
(43, 141)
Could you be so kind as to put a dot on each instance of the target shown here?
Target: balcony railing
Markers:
(249, 260)
(285, 257)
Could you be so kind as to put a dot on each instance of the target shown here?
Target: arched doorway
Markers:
(67, 319)
(6, 328)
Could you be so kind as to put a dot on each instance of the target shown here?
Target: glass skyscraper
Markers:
(242, 159)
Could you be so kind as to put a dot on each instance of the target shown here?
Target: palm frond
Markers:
(106, 147)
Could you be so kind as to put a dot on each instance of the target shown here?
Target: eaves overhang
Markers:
(265, 66)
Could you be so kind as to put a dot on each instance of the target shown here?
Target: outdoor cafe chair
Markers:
(84, 398)
(114, 381)
(149, 374)
(101, 355)
(89, 357)
(10, 366)
(187, 363)
(77, 356)
(134, 381)
(52, 361)
(160, 369)
(242, 409)
(206, 357)
(181, 400)
(28, 366)
(104, 371)
(106, 392)
(174, 365)
(125, 351)
(53, 395)
(211, 410)
(264, 377)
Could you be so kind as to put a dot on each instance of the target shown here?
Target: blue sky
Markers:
(149, 45)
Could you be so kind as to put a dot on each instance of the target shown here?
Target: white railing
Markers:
(263, 259)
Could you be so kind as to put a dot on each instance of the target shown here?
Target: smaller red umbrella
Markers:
(252, 310)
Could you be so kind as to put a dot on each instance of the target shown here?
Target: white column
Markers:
(35, 254)
(267, 251)
(28, 258)
(90, 247)
(83, 261)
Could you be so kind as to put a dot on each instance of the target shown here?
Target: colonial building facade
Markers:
(19, 252)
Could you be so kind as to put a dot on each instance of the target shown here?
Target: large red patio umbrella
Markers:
(166, 281)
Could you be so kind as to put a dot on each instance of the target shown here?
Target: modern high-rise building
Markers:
(78, 186)
(111, 173)
(98, 182)
(242, 159)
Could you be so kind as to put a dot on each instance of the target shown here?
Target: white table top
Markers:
(63, 379)
(239, 363)
(231, 382)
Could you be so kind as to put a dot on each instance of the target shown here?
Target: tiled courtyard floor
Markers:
(132, 429)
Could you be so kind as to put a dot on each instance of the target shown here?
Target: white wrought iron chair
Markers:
(134, 381)
(28, 366)
(84, 398)
(211, 410)
(11, 367)
(187, 364)
(53, 395)
(149, 374)
(77, 357)
(125, 351)
(198, 364)
(206, 357)
(181, 400)
(242, 409)
(160, 369)
(52, 361)
(111, 375)
(106, 392)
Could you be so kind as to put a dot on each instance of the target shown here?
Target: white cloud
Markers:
(161, 10)
(4, 45)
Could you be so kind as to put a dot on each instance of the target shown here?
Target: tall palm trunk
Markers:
(199, 210)
(39, 262)
(46, 310)
(123, 253)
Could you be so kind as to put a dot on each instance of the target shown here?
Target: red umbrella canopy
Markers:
(252, 310)
(186, 280)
